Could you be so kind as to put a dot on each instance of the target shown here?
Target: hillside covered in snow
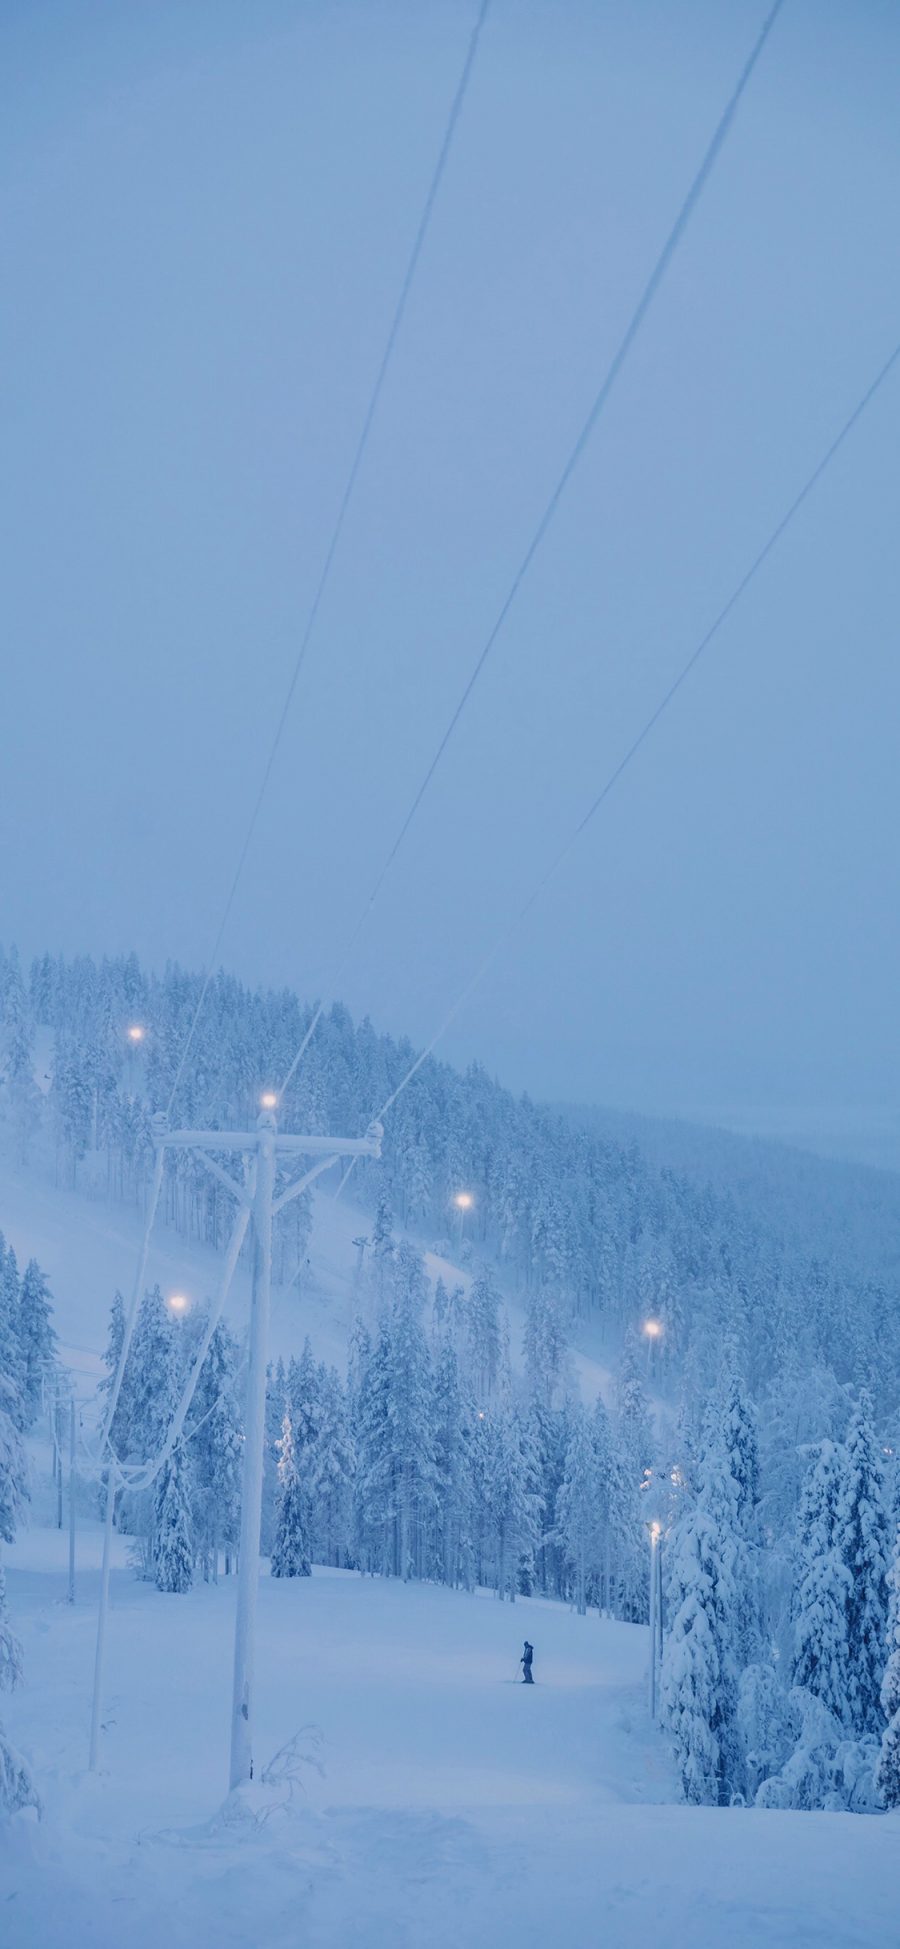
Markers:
(522, 1356)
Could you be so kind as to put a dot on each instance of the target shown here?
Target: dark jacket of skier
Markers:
(525, 1662)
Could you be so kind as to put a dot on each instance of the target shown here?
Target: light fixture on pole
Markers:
(463, 1201)
(134, 1036)
(652, 1331)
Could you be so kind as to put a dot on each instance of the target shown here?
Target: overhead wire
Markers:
(437, 175)
(643, 734)
(632, 330)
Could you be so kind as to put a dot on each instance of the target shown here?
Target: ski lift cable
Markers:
(135, 1476)
(136, 1295)
(406, 286)
(632, 330)
(142, 1475)
(643, 734)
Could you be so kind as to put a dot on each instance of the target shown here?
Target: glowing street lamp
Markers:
(652, 1331)
(269, 1100)
(178, 1302)
(463, 1201)
(134, 1036)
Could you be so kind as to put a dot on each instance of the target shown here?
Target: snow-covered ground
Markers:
(456, 1807)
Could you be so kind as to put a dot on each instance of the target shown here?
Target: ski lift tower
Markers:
(262, 1150)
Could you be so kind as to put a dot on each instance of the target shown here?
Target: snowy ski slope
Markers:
(455, 1807)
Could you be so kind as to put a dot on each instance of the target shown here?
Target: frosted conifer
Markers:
(863, 1542)
(36, 1335)
(173, 1553)
(578, 1506)
(887, 1777)
(823, 1587)
(290, 1555)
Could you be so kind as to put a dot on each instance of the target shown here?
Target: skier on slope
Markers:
(525, 1662)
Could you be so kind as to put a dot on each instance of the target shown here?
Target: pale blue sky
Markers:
(206, 211)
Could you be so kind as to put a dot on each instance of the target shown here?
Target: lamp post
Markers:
(655, 1533)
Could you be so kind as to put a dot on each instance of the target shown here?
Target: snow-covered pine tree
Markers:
(764, 1724)
(635, 1425)
(290, 1554)
(13, 1472)
(512, 1510)
(699, 1684)
(823, 1585)
(739, 1434)
(887, 1776)
(113, 1349)
(17, 1054)
(410, 1416)
(329, 1465)
(148, 1388)
(382, 1250)
(16, 1785)
(544, 1342)
(740, 1431)
(454, 1416)
(276, 1406)
(216, 1451)
(483, 1333)
(17, 1788)
(863, 1541)
(72, 1100)
(533, 1486)
(374, 1505)
(578, 1507)
(304, 1393)
(144, 1412)
(36, 1336)
(439, 1305)
(173, 1550)
(11, 1362)
(548, 1433)
(601, 1439)
(631, 1462)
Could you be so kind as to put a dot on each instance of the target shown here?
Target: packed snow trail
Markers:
(455, 1805)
